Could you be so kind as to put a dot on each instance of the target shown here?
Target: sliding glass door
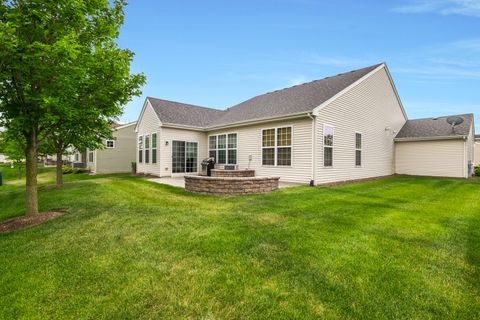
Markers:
(184, 157)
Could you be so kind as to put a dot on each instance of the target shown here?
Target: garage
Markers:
(441, 147)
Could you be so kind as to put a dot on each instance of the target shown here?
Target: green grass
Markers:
(399, 247)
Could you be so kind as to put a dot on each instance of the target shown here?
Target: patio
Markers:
(180, 182)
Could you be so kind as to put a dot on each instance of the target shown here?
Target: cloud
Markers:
(443, 7)
(446, 61)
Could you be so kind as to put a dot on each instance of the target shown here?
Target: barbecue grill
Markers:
(207, 165)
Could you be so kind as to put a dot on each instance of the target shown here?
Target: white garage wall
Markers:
(442, 158)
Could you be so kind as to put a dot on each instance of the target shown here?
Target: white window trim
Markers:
(152, 148)
(140, 149)
(226, 148)
(359, 149)
(145, 149)
(114, 144)
(332, 146)
(275, 147)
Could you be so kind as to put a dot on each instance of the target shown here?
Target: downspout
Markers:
(314, 147)
(465, 166)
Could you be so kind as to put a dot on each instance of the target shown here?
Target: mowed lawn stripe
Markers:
(399, 247)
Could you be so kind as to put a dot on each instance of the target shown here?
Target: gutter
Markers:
(239, 123)
(430, 138)
(260, 120)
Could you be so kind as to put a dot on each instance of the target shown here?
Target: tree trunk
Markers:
(59, 169)
(31, 175)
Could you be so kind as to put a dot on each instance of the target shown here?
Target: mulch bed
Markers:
(26, 221)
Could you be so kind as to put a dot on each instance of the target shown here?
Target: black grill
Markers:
(207, 165)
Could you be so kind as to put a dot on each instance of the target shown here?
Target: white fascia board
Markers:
(126, 125)
(430, 138)
(181, 126)
(261, 120)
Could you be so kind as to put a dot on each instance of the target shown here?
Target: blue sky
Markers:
(219, 53)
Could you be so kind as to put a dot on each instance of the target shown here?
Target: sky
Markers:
(220, 53)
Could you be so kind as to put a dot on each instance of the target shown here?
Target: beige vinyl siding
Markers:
(249, 142)
(165, 152)
(120, 158)
(476, 158)
(148, 124)
(442, 158)
(368, 108)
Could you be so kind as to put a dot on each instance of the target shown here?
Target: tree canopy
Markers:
(60, 65)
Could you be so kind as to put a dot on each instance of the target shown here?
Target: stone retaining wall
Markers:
(230, 185)
(232, 173)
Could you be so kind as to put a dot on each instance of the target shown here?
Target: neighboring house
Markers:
(117, 155)
(433, 147)
(335, 129)
(3, 158)
(476, 158)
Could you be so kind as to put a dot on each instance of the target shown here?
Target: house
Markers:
(434, 147)
(117, 155)
(3, 158)
(335, 129)
(476, 158)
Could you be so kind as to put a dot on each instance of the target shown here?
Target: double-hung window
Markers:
(223, 148)
(154, 148)
(328, 146)
(90, 156)
(277, 146)
(147, 148)
(140, 149)
(358, 149)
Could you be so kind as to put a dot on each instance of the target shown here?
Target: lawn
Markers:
(399, 247)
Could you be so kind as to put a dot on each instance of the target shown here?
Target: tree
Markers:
(86, 133)
(59, 61)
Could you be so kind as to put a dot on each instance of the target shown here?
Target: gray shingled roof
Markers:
(293, 100)
(296, 99)
(184, 114)
(434, 128)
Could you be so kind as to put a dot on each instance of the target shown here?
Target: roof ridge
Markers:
(450, 115)
(309, 82)
(187, 104)
(317, 80)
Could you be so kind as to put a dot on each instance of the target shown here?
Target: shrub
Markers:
(477, 171)
(67, 170)
(70, 170)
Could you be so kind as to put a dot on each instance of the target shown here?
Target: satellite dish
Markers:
(454, 121)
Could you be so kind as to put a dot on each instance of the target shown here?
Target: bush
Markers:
(70, 170)
(477, 171)
(67, 170)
